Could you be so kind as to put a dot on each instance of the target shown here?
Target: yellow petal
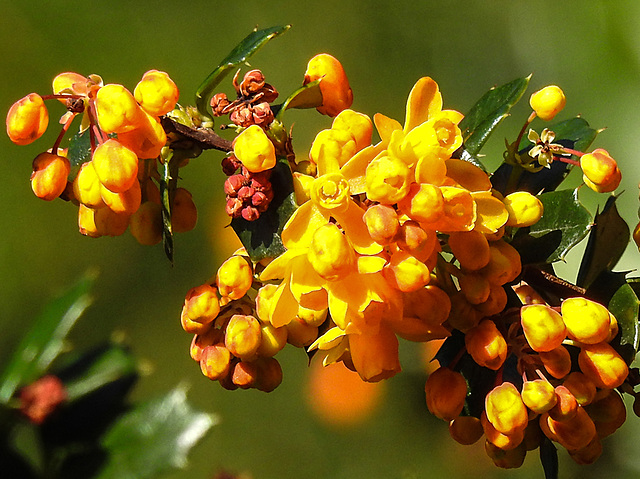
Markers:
(370, 264)
(385, 126)
(286, 306)
(467, 175)
(492, 213)
(304, 279)
(328, 340)
(353, 224)
(424, 101)
(298, 231)
(354, 169)
(279, 267)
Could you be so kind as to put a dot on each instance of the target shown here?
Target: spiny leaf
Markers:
(624, 306)
(307, 96)
(45, 340)
(488, 112)
(565, 221)
(608, 239)
(154, 437)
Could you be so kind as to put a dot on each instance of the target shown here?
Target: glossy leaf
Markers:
(549, 458)
(79, 148)
(45, 339)
(261, 237)
(488, 112)
(168, 185)
(624, 305)
(608, 239)
(239, 55)
(563, 225)
(109, 365)
(153, 438)
(307, 96)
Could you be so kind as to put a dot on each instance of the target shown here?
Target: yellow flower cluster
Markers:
(116, 188)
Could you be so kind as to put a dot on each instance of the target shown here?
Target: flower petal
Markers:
(424, 101)
(385, 126)
(352, 223)
(298, 231)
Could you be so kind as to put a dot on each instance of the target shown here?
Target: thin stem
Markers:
(65, 128)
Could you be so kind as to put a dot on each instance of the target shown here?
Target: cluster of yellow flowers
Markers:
(117, 186)
(395, 239)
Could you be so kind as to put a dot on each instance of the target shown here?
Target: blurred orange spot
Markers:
(339, 397)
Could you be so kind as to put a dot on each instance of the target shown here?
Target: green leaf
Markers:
(111, 364)
(307, 96)
(576, 130)
(624, 306)
(79, 148)
(154, 437)
(168, 185)
(261, 237)
(563, 225)
(488, 112)
(239, 55)
(45, 340)
(608, 239)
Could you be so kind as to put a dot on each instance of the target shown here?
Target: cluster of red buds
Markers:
(248, 194)
(251, 107)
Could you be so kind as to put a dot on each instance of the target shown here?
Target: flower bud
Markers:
(505, 409)
(146, 223)
(156, 93)
(470, 248)
(465, 430)
(86, 221)
(600, 171)
(300, 334)
(243, 336)
(117, 109)
(86, 186)
(234, 277)
(587, 454)
(505, 458)
(375, 354)
(115, 165)
(201, 303)
(273, 340)
(586, 321)
(215, 361)
(475, 287)
(574, 433)
(548, 102)
(543, 327)
(357, 124)
(147, 139)
(126, 202)
(538, 395)
(504, 264)
(566, 404)
(387, 180)
(49, 176)
(244, 374)
(334, 85)
(608, 413)
(446, 392)
(524, 209)
(486, 345)
(603, 365)
(414, 239)
(27, 119)
(269, 374)
(506, 442)
(254, 149)
(405, 272)
(423, 203)
(330, 253)
(184, 214)
(109, 223)
(557, 362)
(382, 223)
(581, 387)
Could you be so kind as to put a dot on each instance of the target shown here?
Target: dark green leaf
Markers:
(239, 55)
(624, 306)
(549, 459)
(576, 130)
(608, 239)
(307, 96)
(79, 149)
(168, 185)
(261, 237)
(563, 212)
(488, 112)
(45, 339)
(111, 364)
(154, 437)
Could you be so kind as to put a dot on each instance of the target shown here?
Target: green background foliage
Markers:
(591, 49)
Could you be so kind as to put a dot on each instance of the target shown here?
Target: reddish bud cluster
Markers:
(248, 194)
(251, 106)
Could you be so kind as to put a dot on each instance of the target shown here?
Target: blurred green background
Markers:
(591, 49)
